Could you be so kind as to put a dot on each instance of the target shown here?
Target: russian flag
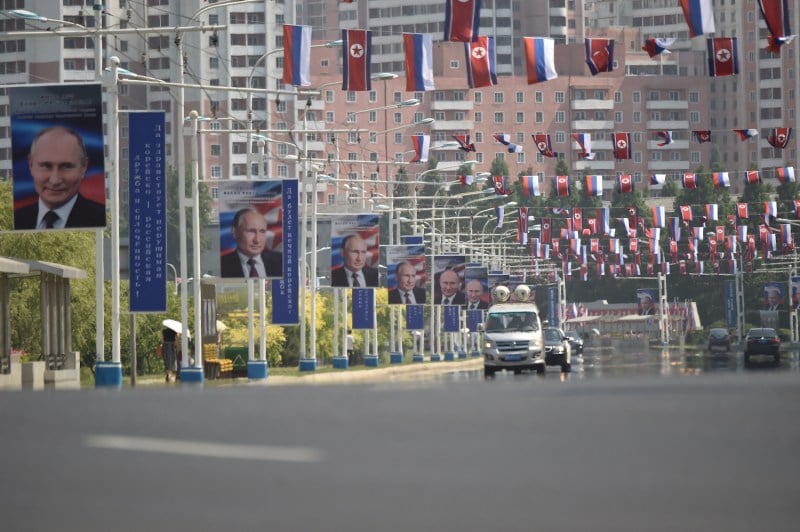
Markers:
(659, 216)
(418, 48)
(500, 211)
(603, 217)
(786, 174)
(462, 20)
(745, 134)
(699, 16)
(711, 211)
(505, 140)
(480, 62)
(665, 136)
(540, 58)
(599, 55)
(584, 140)
(422, 145)
(723, 56)
(721, 179)
(771, 208)
(356, 63)
(786, 233)
(657, 45)
(530, 186)
(658, 179)
(594, 185)
(296, 55)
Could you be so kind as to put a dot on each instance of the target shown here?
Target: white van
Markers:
(512, 333)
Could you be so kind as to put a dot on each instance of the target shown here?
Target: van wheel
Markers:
(540, 369)
(488, 372)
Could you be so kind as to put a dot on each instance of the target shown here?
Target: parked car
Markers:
(762, 341)
(718, 339)
(557, 349)
(576, 342)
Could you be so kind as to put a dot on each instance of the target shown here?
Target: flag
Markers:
(465, 144)
(796, 204)
(599, 55)
(622, 146)
(702, 135)
(742, 211)
(665, 136)
(544, 145)
(603, 216)
(546, 229)
(418, 48)
(522, 225)
(699, 16)
(786, 174)
(686, 213)
(745, 134)
(530, 186)
(584, 140)
(776, 17)
(501, 187)
(296, 55)
(779, 137)
(771, 208)
(577, 219)
(462, 20)
(624, 184)
(356, 63)
(658, 179)
(562, 185)
(594, 185)
(466, 179)
(506, 141)
(659, 216)
(540, 59)
(723, 56)
(752, 177)
(422, 145)
(711, 211)
(480, 62)
(721, 179)
(689, 181)
(657, 45)
(500, 212)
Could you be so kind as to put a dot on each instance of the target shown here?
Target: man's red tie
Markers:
(253, 270)
(356, 284)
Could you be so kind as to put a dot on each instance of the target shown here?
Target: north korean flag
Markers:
(577, 219)
(356, 60)
(742, 211)
(723, 56)
(465, 144)
(689, 181)
(296, 55)
(776, 17)
(752, 177)
(686, 213)
(779, 137)
(599, 55)
(462, 20)
(622, 146)
(562, 185)
(625, 184)
(546, 231)
(480, 62)
(544, 145)
(540, 59)
(418, 48)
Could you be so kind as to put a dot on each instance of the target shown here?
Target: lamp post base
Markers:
(308, 364)
(476, 353)
(108, 375)
(462, 355)
(192, 375)
(371, 361)
(449, 356)
(436, 357)
(257, 370)
(396, 358)
(340, 363)
(418, 357)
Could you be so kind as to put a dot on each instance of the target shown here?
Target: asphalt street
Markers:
(707, 452)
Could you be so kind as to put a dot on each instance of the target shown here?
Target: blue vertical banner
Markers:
(474, 318)
(450, 315)
(285, 291)
(363, 308)
(147, 212)
(415, 317)
(730, 303)
(552, 306)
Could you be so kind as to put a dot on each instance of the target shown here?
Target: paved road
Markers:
(706, 453)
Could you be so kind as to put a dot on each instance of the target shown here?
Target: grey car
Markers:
(557, 349)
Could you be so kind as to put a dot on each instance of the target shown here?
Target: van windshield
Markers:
(512, 321)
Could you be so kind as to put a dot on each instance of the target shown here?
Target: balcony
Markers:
(452, 105)
(676, 145)
(660, 166)
(583, 164)
(669, 125)
(593, 125)
(592, 105)
(453, 125)
(669, 105)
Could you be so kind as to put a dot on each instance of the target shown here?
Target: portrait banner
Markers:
(647, 299)
(448, 280)
(773, 296)
(355, 244)
(405, 277)
(250, 230)
(57, 153)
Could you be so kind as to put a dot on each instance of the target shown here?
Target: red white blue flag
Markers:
(665, 136)
(776, 17)
(418, 48)
(622, 146)
(544, 145)
(422, 145)
(356, 60)
(699, 16)
(540, 59)
(657, 45)
(530, 186)
(480, 62)
(779, 137)
(466, 179)
(721, 179)
(500, 212)
(296, 55)
(594, 185)
(584, 140)
(659, 216)
(658, 179)
(504, 139)
(462, 20)
(599, 55)
(786, 174)
(712, 211)
(745, 134)
(723, 56)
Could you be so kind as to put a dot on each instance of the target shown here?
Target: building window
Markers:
(538, 117)
(538, 97)
(498, 118)
(498, 97)
(478, 97)
(560, 118)
(637, 97)
(520, 117)
(216, 150)
(478, 117)
(559, 96)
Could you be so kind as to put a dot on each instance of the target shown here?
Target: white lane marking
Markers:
(205, 449)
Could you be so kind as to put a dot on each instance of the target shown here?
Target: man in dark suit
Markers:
(355, 273)
(647, 306)
(407, 291)
(57, 163)
(251, 258)
(475, 298)
(450, 289)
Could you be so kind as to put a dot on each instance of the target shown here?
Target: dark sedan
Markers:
(762, 341)
(575, 341)
(719, 339)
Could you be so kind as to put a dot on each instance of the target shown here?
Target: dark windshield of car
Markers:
(762, 333)
(574, 335)
(552, 335)
(718, 333)
(512, 321)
